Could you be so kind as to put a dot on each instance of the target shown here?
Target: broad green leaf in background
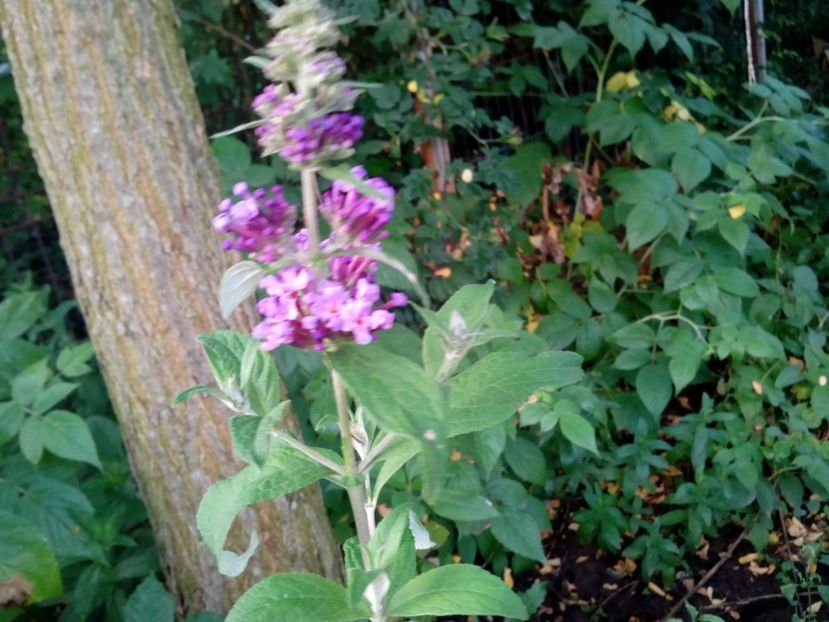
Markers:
(519, 533)
(28, 384)
(296, 597)
(150, 601)
(26, 553)
(463, 506)
(526, 459)
(691, 167)
(644, 223)
(524, 173)
(73, 361)
(19, 312)
(51, 395)
(653, 384)
(578, 431)
(491, 390)
(67, 435)
(458, 589)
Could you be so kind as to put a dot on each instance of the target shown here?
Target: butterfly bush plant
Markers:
(475, 369)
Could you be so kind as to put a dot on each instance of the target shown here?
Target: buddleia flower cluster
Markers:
(313, 297)
(306, 111)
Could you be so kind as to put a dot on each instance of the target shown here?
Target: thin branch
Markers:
(723, 558)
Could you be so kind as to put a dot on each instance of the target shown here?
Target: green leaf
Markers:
(472, 302)
(691, 167)
(396, 392)
(459, 589)
(394, 458)
(684, 365)
(578, 431)
(735, 232)
(30, 439)
(259, 380)
(526, 460)
(653, 384)
(682, 272)
(11, 418)
(19, 312)
(296, 597)
(458, 505)
(736, 281)
(285, 470)
(224, 350)
(761, 344)
(629, 29)
(252, 436)
(632, 359)
(573, 45)
(611, 121)
(490, 391)
(523, 170)
(72, 361)
(199, 388)
(732, 5)
(67, 435)
(238, 283)
(601, 296)
(51, 396)
(150, 601)
(25, 552)
(29, 383)
(638, 336)
(519, 533)
(644, 223)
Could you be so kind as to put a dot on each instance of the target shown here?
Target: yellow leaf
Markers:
(508, 578)
(617, 82)
(737, 211)
(631, 81)
(412, 86)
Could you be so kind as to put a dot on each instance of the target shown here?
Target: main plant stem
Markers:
(356, 493)
(309, 209)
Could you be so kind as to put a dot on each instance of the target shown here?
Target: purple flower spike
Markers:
(356, 217)
(259, 222)
(305, 311)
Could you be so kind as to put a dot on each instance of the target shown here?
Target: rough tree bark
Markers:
(111, 114)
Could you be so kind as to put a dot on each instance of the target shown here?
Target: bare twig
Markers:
(723, 558)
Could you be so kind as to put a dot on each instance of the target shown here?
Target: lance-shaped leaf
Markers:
(457, 589)
(285, 470)
(296, 597)
(244, 126)
(490, 391)
(399, 396)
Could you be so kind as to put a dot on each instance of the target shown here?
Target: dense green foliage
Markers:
(75, 537)
(634, 203)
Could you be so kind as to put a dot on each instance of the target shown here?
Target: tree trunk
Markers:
(111, 114)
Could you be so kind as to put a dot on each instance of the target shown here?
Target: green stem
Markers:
(356, 493)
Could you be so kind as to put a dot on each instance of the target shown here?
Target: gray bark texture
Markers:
(112, 117)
